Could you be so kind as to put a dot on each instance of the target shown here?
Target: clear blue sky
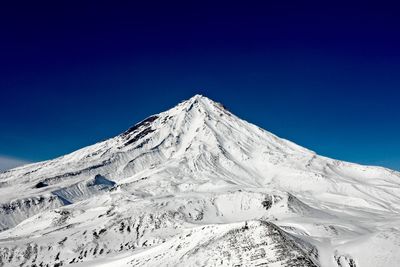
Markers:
(324, 76)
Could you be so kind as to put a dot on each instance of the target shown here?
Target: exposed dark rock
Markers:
(140, 135)
(41, 184)
(267, 204)
(138, 125)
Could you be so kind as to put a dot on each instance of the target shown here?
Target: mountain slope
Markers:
(198, 170)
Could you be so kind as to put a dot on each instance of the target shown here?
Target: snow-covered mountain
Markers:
(197, 186)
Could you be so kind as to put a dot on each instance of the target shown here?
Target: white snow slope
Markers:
(197, 186)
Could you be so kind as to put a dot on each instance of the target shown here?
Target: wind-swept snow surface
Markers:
(197, 186)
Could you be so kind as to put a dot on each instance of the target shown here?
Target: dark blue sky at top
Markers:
(326, 76)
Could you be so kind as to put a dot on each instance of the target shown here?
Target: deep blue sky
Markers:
(324, 76)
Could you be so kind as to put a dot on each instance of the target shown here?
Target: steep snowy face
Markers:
(182, 185)
(198, 135)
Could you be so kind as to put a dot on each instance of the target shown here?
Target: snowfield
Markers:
(197, 186)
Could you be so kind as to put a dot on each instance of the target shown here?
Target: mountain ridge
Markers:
(197, 165)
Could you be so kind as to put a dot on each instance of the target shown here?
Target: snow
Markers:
(196, 185)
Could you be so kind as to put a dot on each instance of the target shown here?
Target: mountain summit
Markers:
(196, 185)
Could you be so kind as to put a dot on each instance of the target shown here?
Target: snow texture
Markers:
(197, 186)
